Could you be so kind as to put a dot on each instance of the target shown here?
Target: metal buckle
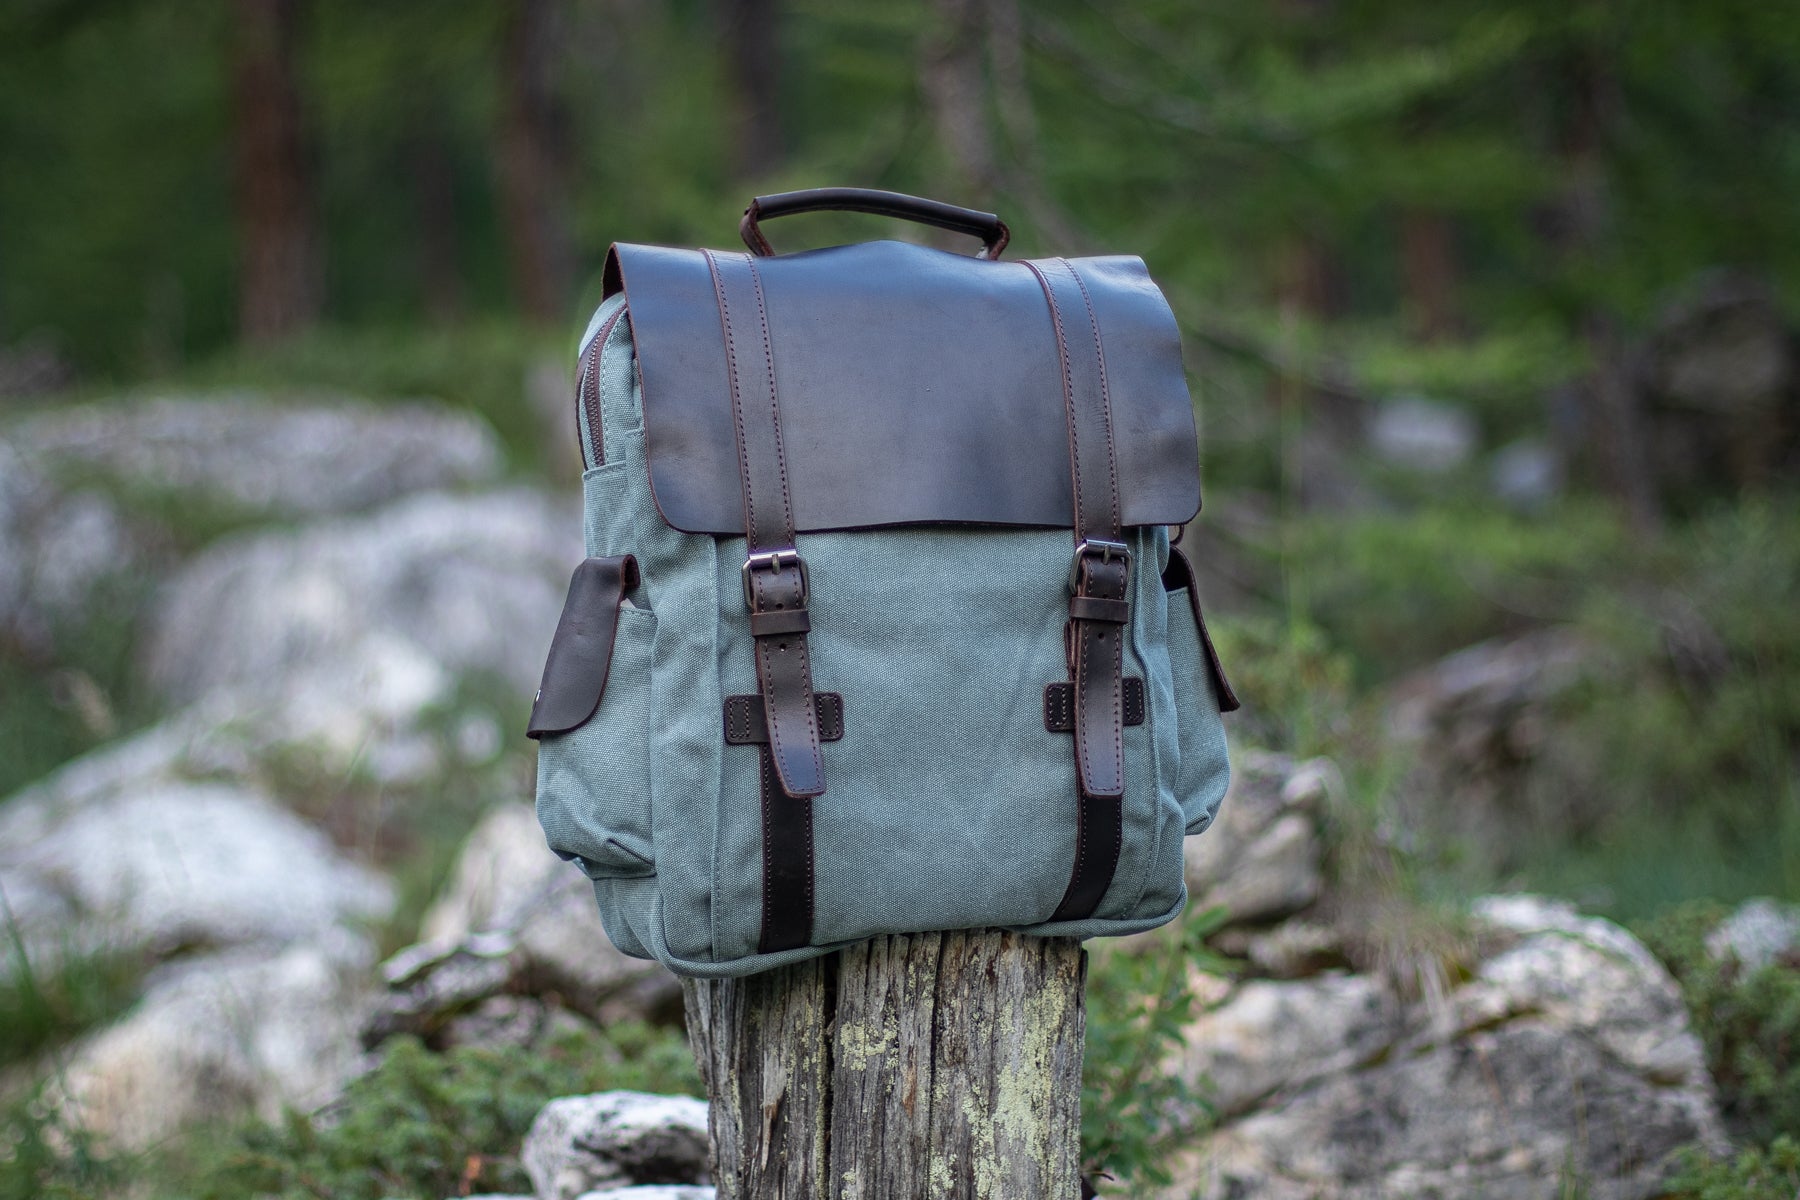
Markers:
(1107, 552)
(774, 560)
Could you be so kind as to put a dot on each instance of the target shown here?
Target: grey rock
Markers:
(57, 548)
(388, 606)
(1423, 435)
(288, 458)
(1475, 722)
(221, 1037)
(610, 1140)
(93, 860)
(514, 920)
(1565, 1057)
(1262, 858)
(1758, 933)
(653, 1192)
(1527, 475)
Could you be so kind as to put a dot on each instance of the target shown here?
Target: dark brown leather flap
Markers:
(581, 652)
(916, 387)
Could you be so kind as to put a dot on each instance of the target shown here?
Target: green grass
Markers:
(46, 1004)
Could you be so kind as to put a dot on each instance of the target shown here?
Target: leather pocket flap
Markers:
(1179, 575)
(581, 652)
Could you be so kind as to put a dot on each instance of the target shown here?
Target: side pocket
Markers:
(1201, 695)
(592, 722)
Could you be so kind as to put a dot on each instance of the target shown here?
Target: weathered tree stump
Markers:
(937, 1066)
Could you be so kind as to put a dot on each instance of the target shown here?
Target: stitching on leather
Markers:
(1112, 460)
(787, 530)
(1062, 353)
(731, 373)
(762, 313)
(809, 868)
(766, 787)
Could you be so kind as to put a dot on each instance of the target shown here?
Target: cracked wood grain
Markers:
(931, 1066)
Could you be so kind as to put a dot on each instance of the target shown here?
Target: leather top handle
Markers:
(984, 225)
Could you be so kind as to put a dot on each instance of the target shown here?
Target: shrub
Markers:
(1749, 1021)
(1134, 1111)
(420, 1126)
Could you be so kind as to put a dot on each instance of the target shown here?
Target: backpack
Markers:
(881, 629)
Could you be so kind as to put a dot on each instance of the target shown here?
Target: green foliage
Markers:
(420, 1126)
(44, 1157)
(59, 702)
(1399, 591)
(1684, 745)
(426, 1125)
(1753, 1174)
(43, 1004)
(1140, 1001)
(1294, 686)
(1749, 1021)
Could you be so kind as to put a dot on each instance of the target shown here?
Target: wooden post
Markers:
(936, 1066)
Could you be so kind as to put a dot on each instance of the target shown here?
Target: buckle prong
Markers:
(774, 560)
(1107, 551)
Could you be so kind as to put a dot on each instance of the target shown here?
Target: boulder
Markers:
(515, 921)
(1422, 435)
(1476, 723)
(611, 1140)
(279, 459)
(1564, 1059)
(1757, 933)
(57, 548)
(1719, 378)
(1263, 857)
(222, 1036)
(390, 606)
(94, 860)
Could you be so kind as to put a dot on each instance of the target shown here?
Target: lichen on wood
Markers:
(938, 1065)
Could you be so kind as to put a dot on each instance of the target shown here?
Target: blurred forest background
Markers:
(1490, 314)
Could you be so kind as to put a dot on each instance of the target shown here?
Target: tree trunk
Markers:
(1613, 421)
(954, 84)
(1428, 268)
(531, 162)
(937, 1066)
(751, 31)
(279, 279)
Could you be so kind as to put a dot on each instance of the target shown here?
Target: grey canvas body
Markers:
(949, 803)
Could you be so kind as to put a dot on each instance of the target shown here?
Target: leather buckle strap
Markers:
(1100, 591)
(1088, 547)
(776, 585)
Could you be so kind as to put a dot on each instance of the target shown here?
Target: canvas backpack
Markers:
(881, 629)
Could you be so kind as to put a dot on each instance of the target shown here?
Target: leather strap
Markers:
(580, 655)
(775, 582)
(1100, 582)
(787, 895)
(787, 849)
